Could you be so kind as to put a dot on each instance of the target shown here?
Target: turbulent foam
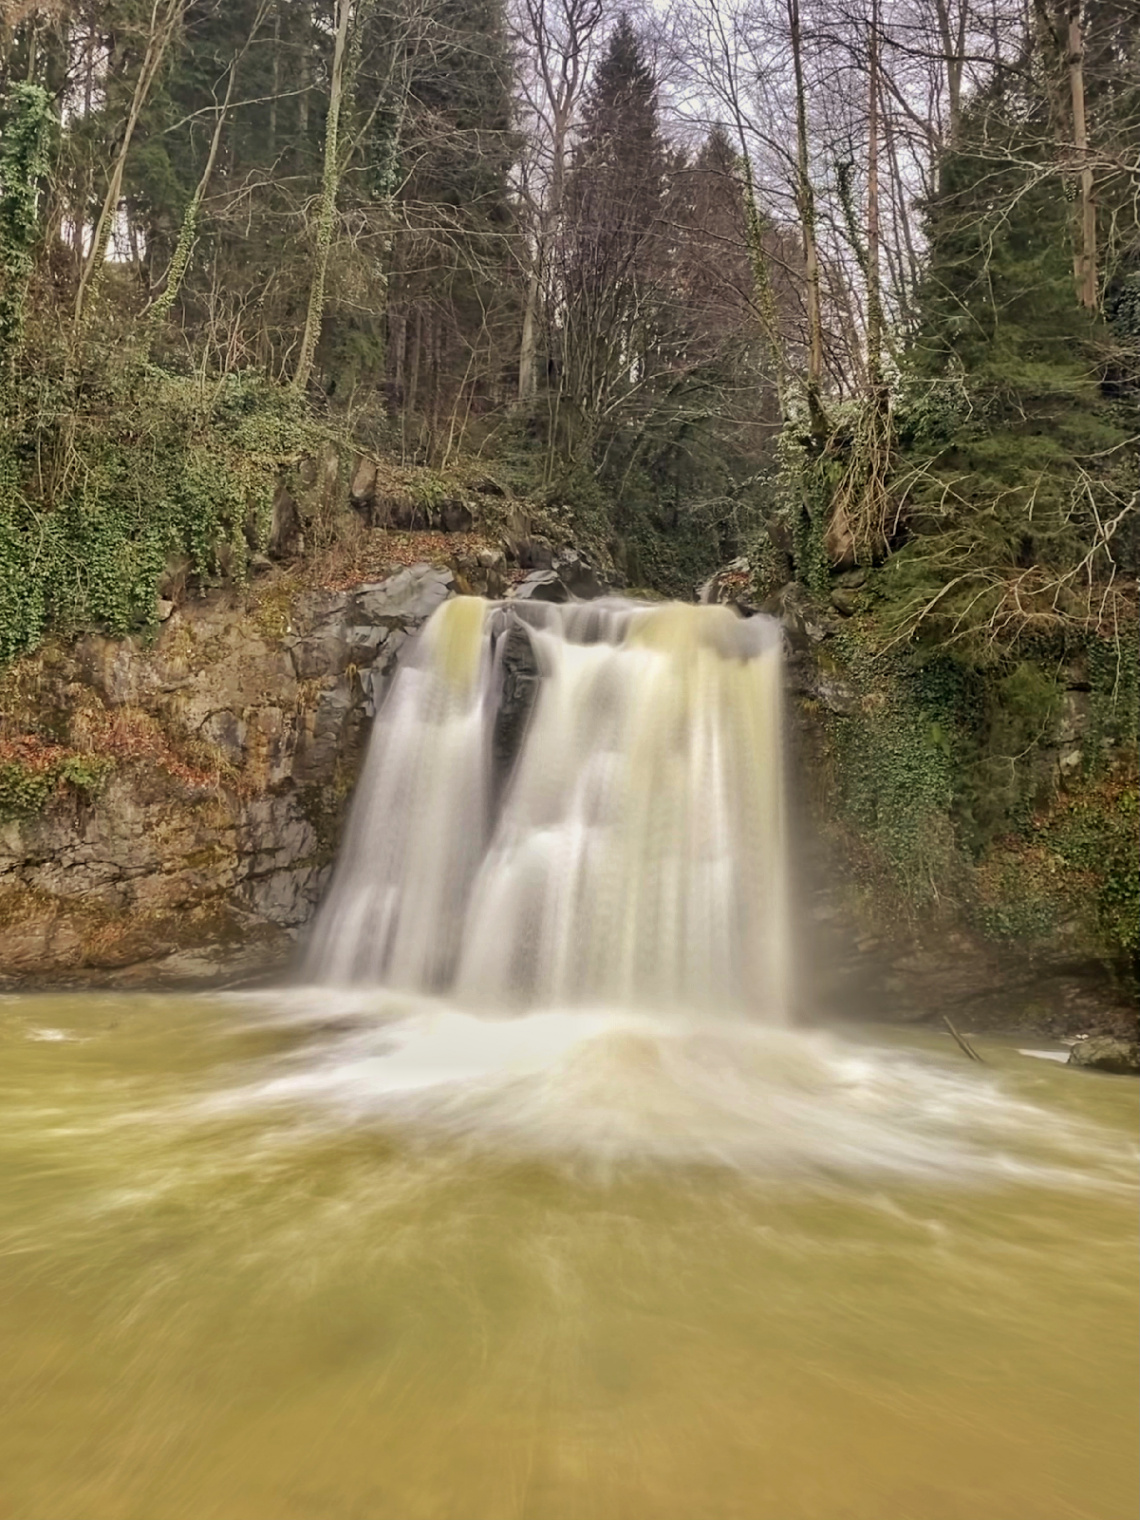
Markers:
(602, 1087)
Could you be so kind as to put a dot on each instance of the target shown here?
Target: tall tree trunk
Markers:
(163, 23)
(901, 209)
(953, 41)
(762, 294)
(805, 197)
(305, 79)
(874, 277)
(275, 87)
(528, 347)
(436, 392)
(88, 177)
(414, 362)
(547, 222)
(395, 355)
(1084, 256)
(326, 206)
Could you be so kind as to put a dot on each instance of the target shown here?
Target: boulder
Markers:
(542, 586)
(579, 577)
(839, 541)
(801, 621)
(1102, 1052)
(728, 585)
(571, 578)
(455, 516)
(518, 676)
(363, 487)
(409, 596)
(533, 553)
(286, 529)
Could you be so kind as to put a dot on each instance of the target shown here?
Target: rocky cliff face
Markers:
(213, 770)
(171, 812)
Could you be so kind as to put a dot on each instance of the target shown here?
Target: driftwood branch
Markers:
(962, 1041)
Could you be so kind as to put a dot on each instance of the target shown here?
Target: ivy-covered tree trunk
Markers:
(189, 229)
(326, 209)
(1084, 256)
(24, 160)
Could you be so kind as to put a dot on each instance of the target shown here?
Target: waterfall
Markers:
(571, 805)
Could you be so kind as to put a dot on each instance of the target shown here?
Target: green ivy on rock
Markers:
(158, 466)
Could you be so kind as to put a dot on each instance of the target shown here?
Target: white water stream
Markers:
(636, 855)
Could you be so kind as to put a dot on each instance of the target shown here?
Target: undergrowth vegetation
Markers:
(1005, 794)
(108, 481)
(32, 772)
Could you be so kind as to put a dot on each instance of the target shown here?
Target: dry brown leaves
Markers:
(33, 754)
(128, 734)
(379, 552)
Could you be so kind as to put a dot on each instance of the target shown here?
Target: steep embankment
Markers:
(170, 802)
(190, 799)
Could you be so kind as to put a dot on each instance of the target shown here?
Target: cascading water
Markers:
(633, 854)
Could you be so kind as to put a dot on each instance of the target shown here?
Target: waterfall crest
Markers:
(572, 805)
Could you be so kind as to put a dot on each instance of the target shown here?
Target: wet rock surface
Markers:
(1104, 1053)
(235, 739)
(568, 576)
(518, 676)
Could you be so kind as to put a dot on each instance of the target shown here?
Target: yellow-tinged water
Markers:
(290, 1256)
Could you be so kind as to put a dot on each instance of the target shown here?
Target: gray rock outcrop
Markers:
(233, 745)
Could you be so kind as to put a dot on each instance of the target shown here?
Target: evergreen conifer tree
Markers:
(615, 266)
(1015, 464)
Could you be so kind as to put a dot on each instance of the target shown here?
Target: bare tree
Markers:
(164, 22)
(326, 205)
(805, 200)
(556, 41)
(1084, 257)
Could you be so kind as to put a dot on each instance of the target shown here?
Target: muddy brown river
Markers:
(352, 1257)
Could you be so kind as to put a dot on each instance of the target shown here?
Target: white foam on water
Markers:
(611, 1087)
